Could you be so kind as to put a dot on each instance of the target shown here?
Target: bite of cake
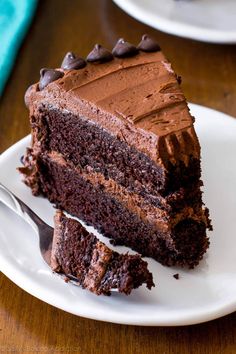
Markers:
(80, 256)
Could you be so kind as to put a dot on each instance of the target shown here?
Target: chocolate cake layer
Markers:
(90, 145)
(82, 257)
(183, 245)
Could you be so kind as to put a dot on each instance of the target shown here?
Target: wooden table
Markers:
(28, 325)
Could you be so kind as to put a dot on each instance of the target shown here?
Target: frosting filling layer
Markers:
(138, 205)
(69, 190)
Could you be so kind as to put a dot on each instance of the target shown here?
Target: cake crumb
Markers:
(176, 276)
(66, 279)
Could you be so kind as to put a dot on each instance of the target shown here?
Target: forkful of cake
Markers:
(70, 250)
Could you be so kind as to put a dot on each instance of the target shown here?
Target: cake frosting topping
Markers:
(137, 95)
(71, 61)
(148, 44)
(99, 54)
(47, 76)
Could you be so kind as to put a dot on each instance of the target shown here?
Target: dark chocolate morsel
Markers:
(99, 54)
(22, 159)
(148, 44)
(27, 94)
(124, 49)
(179, 79)
(47, 76)
(71, 61)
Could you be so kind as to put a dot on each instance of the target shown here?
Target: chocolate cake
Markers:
(83, 258)
(113, 143)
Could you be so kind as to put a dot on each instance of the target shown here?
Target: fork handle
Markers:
(19, 207)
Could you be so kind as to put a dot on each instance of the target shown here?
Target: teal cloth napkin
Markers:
(15, 17)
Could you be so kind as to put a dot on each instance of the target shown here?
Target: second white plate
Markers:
(204, 20)
(202, 294)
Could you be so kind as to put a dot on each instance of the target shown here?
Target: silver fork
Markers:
(44, 231)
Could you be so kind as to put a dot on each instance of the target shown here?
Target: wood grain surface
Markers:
(28, 325)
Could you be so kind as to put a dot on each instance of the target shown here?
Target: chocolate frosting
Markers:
(137, 99)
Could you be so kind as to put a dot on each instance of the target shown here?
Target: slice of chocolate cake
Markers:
(82, 257)
(113, 143)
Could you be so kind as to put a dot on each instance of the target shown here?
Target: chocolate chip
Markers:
(47, 76)
(71, 61)
(99, 54)
(27, 95)
(148, 44)
(176, 276)
(179, 79)
(22, 159)
(124, 49)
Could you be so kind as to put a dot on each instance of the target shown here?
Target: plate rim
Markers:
(23, 281)
(177, 28)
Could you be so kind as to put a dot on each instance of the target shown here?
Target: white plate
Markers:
(204, 20)
(202, 294)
